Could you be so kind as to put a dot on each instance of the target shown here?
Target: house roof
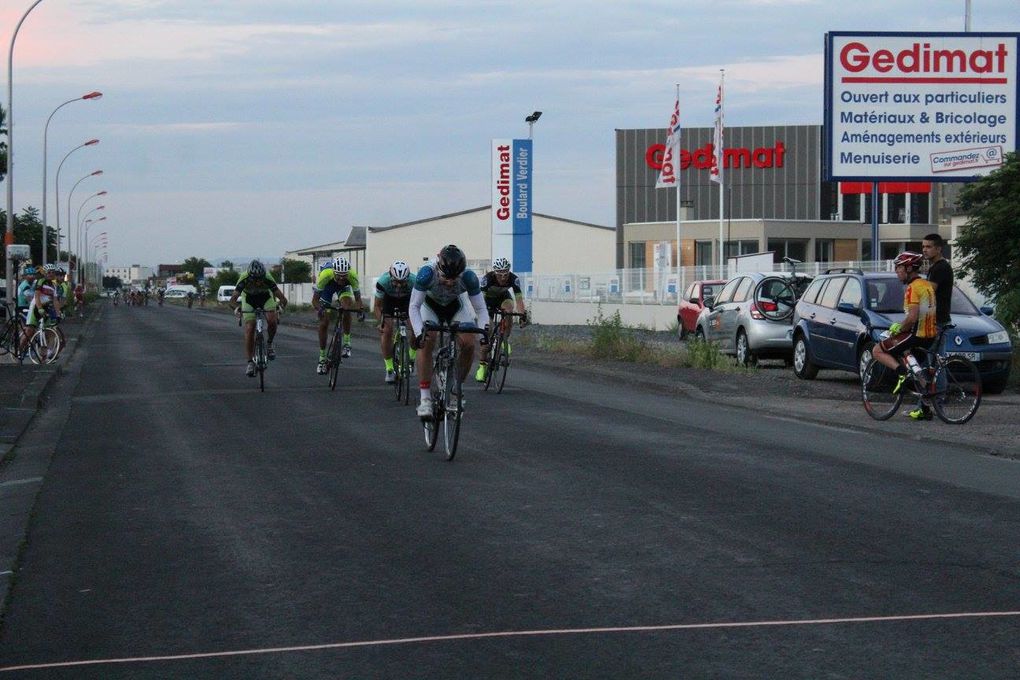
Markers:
(355, 240)
(485, 208)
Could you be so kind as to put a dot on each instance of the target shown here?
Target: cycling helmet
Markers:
(28, 270)
(399, 271)
(50, 269)
(256, 269)
(501, 265)
(341, 265)
(451, 261)
(909, 260)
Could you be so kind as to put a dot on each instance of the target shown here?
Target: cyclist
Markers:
(79, 298)
(918, 327)
(444, 291)
(259, 291)
(160, 294)
(44, 301)
(501, 289)
(336, 279)
(26, 289)
(392, 293)
(63, 287)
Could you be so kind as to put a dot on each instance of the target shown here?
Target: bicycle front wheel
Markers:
(431, 425)
(504, 365)
(957, 393)
(260, 360)
(44, 347)
(334, 358)
(881, 391)
(453, 411)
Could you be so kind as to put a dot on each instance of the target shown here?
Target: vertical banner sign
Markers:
(919, 106)
(511, 202)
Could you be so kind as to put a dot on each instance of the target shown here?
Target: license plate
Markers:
(973, 356)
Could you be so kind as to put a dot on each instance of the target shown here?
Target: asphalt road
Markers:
(192, 527)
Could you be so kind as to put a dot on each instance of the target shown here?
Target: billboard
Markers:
(511, 202)
(919, 106)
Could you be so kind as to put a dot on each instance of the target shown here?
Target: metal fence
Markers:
(654, 287)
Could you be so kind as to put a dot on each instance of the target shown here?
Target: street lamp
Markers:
(94, 173)
(91, 142)
(9, 234)
(99, 242)
(531, 120)
(85, 243)
(46, 130)
(77, 220)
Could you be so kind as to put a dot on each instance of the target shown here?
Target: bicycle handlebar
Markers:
(451, 328)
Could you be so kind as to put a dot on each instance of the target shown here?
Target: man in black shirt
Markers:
(940, 276)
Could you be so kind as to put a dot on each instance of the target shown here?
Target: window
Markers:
(825, 249)
(919, 209)
(637, 254)
(691, 293)
(885, 295)
(897, 208)
(788, 247)
(710, 290)
(743, 247)
(743, 289)
(851, 293)
(727, 292)
(831, 293)
(812, 292)
(852, 207)
(867, 208)
(703, 253)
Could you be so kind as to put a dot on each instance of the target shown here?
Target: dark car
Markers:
(841, 315)
(693, 301)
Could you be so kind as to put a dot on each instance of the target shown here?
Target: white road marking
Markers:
(18, 482)
(515, 633)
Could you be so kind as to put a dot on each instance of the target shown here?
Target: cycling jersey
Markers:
(384, 287)
(331, 282)
(446, 302)
(495, 292)
(921, 293)
(26, 289)
(249, 286)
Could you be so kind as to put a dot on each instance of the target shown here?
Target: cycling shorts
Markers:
(253, 301)
(498, 302)
(459, 311)
(392, 304)
(898, 344)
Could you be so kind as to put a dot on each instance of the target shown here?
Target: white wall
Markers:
(657, 317)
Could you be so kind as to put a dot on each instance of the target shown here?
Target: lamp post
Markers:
(99, 242)
(85, 244)
(77, 220)
(94, 173)
(91, 142)
(46, 131)
(531, 120)
(9, 234)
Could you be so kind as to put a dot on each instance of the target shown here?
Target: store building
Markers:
(775, 200)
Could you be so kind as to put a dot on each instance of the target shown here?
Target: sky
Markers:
(233, 128)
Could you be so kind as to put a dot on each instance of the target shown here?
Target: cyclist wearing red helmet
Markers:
(918, 327)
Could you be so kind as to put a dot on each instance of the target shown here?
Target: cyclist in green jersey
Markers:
(257, 289)
(336, 279)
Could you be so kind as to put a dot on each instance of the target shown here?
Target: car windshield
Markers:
(711, 290)
(961, 304)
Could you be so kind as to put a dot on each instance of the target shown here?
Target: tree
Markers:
(111, 282)
(989, 244)
(195, 266)
(28, 231)
(227, 264)
(294, 271)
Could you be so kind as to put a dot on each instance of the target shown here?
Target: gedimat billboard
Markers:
(919, 106)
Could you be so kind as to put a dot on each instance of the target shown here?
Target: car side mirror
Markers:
(988, 310)
(847, 308)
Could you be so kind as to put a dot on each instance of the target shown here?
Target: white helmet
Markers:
(501, 264)
(341, 265)
(399, 271)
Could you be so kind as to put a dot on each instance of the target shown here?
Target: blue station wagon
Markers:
(841, 315)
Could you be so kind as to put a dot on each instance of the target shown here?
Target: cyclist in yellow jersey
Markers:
(918, 327)
(336, 279)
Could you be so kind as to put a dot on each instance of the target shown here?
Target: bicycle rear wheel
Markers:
(775, 298)
(398, 368)
(407, 369)
(8, 338)
(878, 391)
(452, 411)
(260, 360)
(957, 391)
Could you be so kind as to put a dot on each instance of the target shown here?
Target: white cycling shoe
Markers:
(425, 408)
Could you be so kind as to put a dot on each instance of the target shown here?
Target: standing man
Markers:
(940, 276)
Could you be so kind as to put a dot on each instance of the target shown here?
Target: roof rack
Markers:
(844, 270)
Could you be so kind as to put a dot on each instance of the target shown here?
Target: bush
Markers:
(612, 340)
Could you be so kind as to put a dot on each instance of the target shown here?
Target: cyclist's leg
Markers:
(889, 350)
(386, 337)
(425, 352)
(248, 315)
(486, 352)
(348, 304)
(466, 317)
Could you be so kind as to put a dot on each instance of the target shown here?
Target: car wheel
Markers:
(699, 334)
(802, 365)
(865, 356)
(993, 386)
(680, 330)
(745, 357)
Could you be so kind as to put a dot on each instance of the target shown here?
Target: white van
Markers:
(180, 291)
(224, 293)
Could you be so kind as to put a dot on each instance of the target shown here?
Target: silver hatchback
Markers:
(735, 324)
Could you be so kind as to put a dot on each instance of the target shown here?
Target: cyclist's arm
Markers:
(414, 311)
(910, 321)
(481, 311)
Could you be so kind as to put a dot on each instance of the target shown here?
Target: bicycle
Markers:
(499, 349)
(11, 335)
(261, 354)
(447, 389)
(334, 353)
(46, 343)
(777, 296)
(402, 365)
(951, 385)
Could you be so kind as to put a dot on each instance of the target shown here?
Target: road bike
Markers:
(260, 355)
(12, 334)
(499, 349)
(403, 367)
(950, 385)
(447, 389)
(777, 296)
(334, 353)
(46, 343)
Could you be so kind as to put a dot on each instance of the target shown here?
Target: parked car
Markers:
(735, 324)
(224, 293)
(840, 317)
(692, 302)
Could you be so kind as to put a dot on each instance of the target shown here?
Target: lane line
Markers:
(18, 482)
(511, 634)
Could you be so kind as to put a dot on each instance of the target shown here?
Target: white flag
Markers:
(717, 136)
(668, 176)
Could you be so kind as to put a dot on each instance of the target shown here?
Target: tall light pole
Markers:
(77, 222)
(46, 131)
(99, 242)
(91, 142)
(9, 234)
(85, 243)
(531, 120)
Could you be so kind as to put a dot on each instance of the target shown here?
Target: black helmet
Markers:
(256, 269)
(451, 262)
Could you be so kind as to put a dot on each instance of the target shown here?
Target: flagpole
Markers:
(676, 173)
(722, 182)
